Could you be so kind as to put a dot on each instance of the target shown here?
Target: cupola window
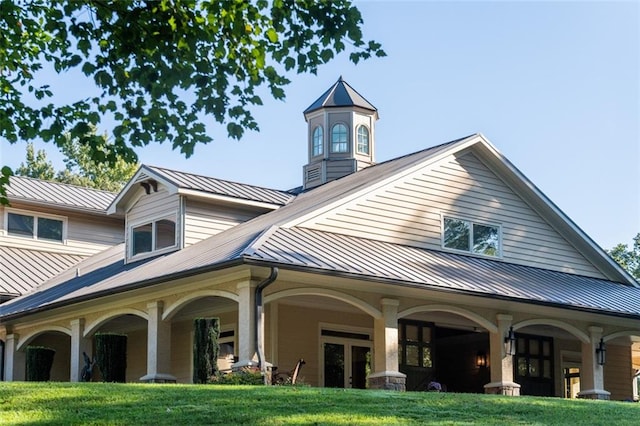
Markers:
(316, 148)
(339, 138)
(363, 140)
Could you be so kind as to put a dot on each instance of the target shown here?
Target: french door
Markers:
(346, 363)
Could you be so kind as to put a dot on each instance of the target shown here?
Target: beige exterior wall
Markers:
(618, 372)
(299, 336)
(85, 234)
(203, 220)
(410, 211)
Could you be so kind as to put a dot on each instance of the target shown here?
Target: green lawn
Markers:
(134, 404)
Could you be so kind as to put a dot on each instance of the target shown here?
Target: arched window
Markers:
(363, 140)
(339, 138)
(316, 148)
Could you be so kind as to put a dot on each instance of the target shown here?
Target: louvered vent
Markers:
(313, 174)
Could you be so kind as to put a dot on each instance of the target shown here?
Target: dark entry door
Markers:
(346, 365)
(533, 365)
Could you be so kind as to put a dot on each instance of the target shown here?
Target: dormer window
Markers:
(363, 140)
(468, 236)
(153, 236)
(339, 138)
(35, 226)
(316, 148)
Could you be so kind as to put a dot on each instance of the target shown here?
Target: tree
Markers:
(628, 258)
(80, 168)
(37, 165)
(161, 67)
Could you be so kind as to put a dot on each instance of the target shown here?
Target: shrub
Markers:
(111, 356)
(246, 376)
(39, 362)
(205, 349)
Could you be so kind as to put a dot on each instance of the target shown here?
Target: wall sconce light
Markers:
(481, 359)
(510, 342)
(601, 352)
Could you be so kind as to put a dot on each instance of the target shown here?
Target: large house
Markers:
(446, 265)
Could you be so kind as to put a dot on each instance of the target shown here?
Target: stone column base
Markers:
(158, 378)
(502, 388)
(388, 380)
(594, 394)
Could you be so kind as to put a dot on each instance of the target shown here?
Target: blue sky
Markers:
(555, 86)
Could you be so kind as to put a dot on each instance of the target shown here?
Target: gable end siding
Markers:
(409, 211)
(203, 220)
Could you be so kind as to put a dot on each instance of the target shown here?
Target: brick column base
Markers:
(388, 380)
(502, 388)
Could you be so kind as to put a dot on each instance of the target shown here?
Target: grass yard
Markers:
(140, 404)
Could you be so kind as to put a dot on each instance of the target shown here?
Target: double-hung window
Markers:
(469, 236)
(35, 226)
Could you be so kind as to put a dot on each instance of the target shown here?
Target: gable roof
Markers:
(56, 194)
(341, 94)
(274, 239)
(203, 187)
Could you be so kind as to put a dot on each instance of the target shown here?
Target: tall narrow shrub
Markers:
(111, 356)
(205, 349)
(39, 362)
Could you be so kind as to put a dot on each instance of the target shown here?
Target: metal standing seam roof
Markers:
(341, 94)
(26, 189)
(223, 187)
(268, 240)
(306, 248)
(23, 270)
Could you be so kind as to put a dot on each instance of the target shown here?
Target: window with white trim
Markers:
(316, 148)
(153, 236)
(339, 138)
(363, 140)
(35, 226)
(465, 235)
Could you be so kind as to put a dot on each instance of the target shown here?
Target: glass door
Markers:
(346, 364)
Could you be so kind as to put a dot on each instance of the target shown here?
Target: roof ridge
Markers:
(152, 167)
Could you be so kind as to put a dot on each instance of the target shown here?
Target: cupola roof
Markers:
(341, 94)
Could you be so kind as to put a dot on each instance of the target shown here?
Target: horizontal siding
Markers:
(203, 220)
(409, 212)
(86, 234)
(153, 205)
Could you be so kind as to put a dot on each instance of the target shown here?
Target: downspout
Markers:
(259, 323)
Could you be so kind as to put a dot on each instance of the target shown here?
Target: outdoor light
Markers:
(510, 342)
(601, 352)
(481, 359)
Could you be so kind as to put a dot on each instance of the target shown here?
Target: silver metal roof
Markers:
(223, 187)
(273, 239)
(431, 269)
(341, 94)
(23, 270)
(38, 191)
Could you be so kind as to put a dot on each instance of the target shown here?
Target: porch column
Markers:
(15, 361)
(385, 339)
(79, 345)
(501, 364)
(247, 355)
(158, 346)
(591, 373)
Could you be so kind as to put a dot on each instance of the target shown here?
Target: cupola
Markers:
(340, 135)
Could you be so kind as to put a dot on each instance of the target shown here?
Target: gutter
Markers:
(259, 320)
